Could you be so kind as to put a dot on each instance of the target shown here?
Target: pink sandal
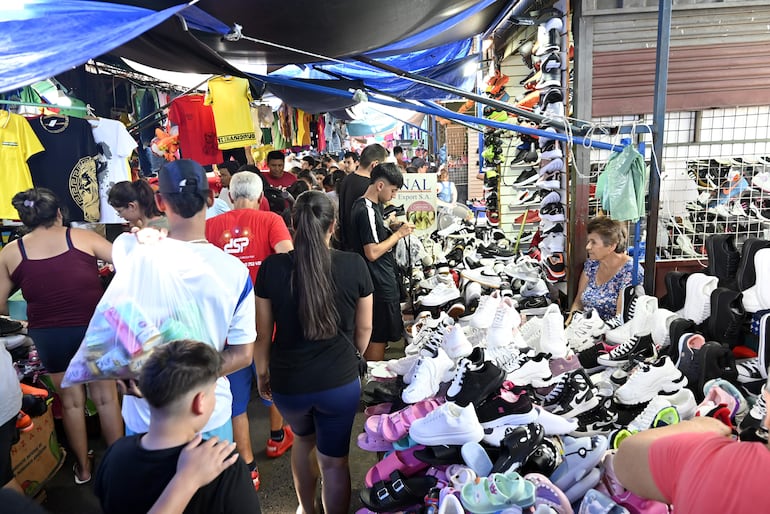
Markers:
(396, 425)
(373, 443)
(403, 461)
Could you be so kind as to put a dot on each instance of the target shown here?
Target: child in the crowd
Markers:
(178, 381)
(446, 190)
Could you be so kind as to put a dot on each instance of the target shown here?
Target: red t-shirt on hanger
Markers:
(197, 133)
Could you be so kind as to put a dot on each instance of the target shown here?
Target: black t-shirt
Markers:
(130, 479)
(352, 187)
(299, 366)
(67, 166)
(368, 224)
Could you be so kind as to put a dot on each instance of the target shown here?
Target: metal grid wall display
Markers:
(715, 178)
(457, 159)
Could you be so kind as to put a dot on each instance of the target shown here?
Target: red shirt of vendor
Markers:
(276, 176)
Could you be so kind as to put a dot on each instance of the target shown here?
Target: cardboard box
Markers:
(37, 456)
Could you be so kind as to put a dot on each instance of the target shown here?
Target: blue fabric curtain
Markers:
(42, 38)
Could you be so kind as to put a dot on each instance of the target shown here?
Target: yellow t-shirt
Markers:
(229, 97)
(18, 143)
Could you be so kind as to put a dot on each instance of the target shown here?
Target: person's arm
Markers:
(242, 332)
(632, 463)
(262, 346)
(6, 284)
(237, 356)
(199, 464)
(374, 251)
(100, 246)
(363, 332)
(284, 246)
(577, 304)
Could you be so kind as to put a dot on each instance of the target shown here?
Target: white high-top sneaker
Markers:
(552, 338)
(506, 319)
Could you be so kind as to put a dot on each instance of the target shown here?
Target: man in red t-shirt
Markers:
(276, 176)
(251, 235)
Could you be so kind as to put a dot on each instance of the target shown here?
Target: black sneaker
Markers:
(678, 328)
(474, 382)
(544, 459)
(601, 420)
(552, 212)
(727, 317)
(675, 290)
(509, 406)
(9, 326)
(588, 357)
(716, 361)
(628, 301)
(573, 395)
(533, 305)
(754, 418)
(723, 257)
(745, 276)
(635, 347)
(556, 228)
(527, 176)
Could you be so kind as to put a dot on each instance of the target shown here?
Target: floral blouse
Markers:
(604, 297)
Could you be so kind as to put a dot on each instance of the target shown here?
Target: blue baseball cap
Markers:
(183, 176)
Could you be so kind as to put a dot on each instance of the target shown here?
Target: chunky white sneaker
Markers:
(442, 293)
(448, 424)
(552, 338)
(455, 344)
(684, 401)
(649, 379)
(535, 287)
(430, 283)
(644, 420)
(533, 371)
(428, 375)
(428, 328)
(640, 324)
(505, 320)
(585, 330)
(485, 313)
(530, 331)
(697, 300)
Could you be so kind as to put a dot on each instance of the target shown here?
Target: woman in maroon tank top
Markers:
(56, 269)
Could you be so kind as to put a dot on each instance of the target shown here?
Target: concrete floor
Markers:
(276, 493)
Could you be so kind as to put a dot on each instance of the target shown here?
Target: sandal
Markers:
(548, 494)
(397, 493)
(373, 443)
(402, 461)
(440, 455)
(396, 425)
(517, 446)
(79, 481)
(497, 492)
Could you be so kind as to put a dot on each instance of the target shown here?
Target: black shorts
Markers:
(387, 323)
(57, 346)
(8, 437)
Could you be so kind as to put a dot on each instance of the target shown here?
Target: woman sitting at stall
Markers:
(135, 203)
(607, 271)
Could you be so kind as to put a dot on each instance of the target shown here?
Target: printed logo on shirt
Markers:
(10, 143)
(236, 245)
(84, 188)
(236, 138)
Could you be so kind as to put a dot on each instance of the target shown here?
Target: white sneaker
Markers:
(485, 313)
(448, 424)
(645, 419)
(535, 287)
(504, 357)
(505, 320)
(533, 371)
(639, 325)
(761, 181)
(649, 379)
(685, 244)
(403, 366)
(552, 338)
(697, 299)
(553, 424)
(525, 268)
(430, 283)
(684, 401)
(552, 243)
(428, 375)
(472, 292)
(441, 294)
(661, 321)
(531, 330)
(585, 330)
(428, 328)
(552, 197)
(455, 344)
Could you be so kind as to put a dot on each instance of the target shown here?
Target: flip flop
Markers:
(548, 494)
(402, 461)
(398, 493)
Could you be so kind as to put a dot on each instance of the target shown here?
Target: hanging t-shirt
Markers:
(115, 145)
(248, 234)
(18, 143)
(67, 166)
(230, 97)
(197, 132)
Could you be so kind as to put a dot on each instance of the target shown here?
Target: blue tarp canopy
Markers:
(41, 38)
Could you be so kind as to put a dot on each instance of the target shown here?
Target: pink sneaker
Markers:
(611, 486)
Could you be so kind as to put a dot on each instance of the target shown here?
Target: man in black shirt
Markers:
(370, 238)
(353, 186)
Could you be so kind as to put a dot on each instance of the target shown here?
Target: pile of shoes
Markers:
(495, 409)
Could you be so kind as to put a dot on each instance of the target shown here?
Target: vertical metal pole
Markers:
(479, 107)
(658, 131)
(637, 240)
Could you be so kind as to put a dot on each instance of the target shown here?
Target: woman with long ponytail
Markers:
(135, 203)
(320, 302)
